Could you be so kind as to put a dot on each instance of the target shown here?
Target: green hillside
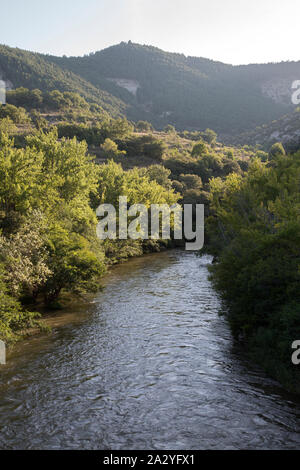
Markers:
(285, 130)
(26, 69)
(146, 83)
(188, 92)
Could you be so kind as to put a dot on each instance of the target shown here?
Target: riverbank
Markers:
(70, 307)
(148, 363)
(57, 317)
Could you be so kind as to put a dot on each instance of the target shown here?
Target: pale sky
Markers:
(232, 31)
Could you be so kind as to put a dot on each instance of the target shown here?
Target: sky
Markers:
(232, 31)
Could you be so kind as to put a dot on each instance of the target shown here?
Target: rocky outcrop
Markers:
(130, 85)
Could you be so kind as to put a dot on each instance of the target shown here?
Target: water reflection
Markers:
(149, 365)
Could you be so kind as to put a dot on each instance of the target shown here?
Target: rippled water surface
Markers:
(148, 365)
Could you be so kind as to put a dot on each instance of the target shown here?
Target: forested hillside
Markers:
(26, 69)
(146, 83)
(60, 158)
(285, 130)
(188, 92)
(66, 146)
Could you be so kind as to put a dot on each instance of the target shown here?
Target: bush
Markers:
(276, 150)
(145, 146)
(255, 233)
(13, 319)
(17, 115)
(199, 150)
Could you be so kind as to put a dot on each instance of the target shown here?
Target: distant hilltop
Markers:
(146, 83)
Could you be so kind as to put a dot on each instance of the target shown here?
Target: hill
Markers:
(285, 130)
(188, 92)
(21, 68)
(146, 83)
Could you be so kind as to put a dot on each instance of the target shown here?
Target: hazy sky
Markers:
(233, 31)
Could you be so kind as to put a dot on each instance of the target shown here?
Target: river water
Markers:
(149, 364)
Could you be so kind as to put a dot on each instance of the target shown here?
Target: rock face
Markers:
(8, 84)
(130, 85)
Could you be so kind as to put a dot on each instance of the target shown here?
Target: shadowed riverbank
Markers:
(148, 365)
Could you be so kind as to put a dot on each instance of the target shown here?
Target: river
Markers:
(148, 364)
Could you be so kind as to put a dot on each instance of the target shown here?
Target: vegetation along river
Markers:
(149, 364)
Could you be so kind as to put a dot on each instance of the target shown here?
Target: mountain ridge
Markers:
(170, 88)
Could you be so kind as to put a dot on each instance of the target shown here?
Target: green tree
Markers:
(254, 231)
(158, 173)
(13, 318)
(25, 258)
(7, 126)
(199, 150)
(169, 129)
(117, 129)
(17, 115)
(144, 126)
(110, 149)
(276, 150)
(210, 136)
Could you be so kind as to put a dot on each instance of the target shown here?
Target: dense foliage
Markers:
(186, 92)
(21, 68)
(255, 234)
(48, 194)
(50, 187)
